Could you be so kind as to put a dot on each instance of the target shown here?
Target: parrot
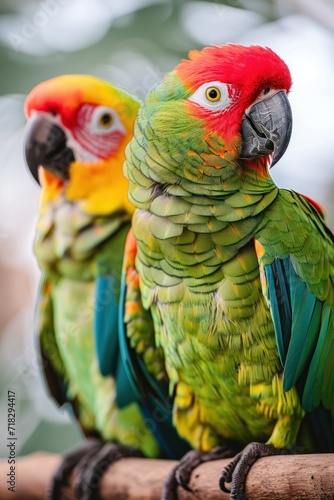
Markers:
(237, 272)
(77, 130)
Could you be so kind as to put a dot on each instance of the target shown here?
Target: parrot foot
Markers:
(236, 471)
(180, 475)
(91, 459)
(68, 463)
(92, 468)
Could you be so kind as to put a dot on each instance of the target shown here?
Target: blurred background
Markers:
(134, 43)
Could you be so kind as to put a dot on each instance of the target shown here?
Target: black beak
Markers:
(267, 128)
(45, 145)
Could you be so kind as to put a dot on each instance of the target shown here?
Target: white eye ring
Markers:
(104, 120)
(219, 99)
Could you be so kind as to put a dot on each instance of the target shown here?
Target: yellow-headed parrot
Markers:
(78, 127)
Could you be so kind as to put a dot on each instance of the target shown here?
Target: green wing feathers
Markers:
(51, 362)
(298, 259)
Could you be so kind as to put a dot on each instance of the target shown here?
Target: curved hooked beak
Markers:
(45, 145)
(267, 127)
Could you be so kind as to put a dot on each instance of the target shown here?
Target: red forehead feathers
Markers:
(245, 67)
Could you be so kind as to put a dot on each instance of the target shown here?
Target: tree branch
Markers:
(281, 477)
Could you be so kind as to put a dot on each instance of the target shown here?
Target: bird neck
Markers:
(99, 188)
(255, 176)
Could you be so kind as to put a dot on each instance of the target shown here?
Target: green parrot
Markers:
(78, 127)
(237, 273)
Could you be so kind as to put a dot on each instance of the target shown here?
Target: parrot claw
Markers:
(67, 465)
(236, 471)
(91, 469)
(180, 475)
(91, 459)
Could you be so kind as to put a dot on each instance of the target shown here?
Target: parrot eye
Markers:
(102, 119)
(106, 120)
(212, 95)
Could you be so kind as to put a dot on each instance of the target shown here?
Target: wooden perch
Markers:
(284, 478)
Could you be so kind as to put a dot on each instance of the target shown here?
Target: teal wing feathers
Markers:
(304, 328)
(106, 324)
(107, 339)
(297, 316)
(106, 307)
(115, 356)
(304, 334)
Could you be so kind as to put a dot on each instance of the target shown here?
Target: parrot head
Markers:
(78, 127)
(225, 106)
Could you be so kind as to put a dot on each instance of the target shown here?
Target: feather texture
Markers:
(236, 273)
(80, 235)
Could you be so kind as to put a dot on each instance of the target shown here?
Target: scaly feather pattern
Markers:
(234, 270)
